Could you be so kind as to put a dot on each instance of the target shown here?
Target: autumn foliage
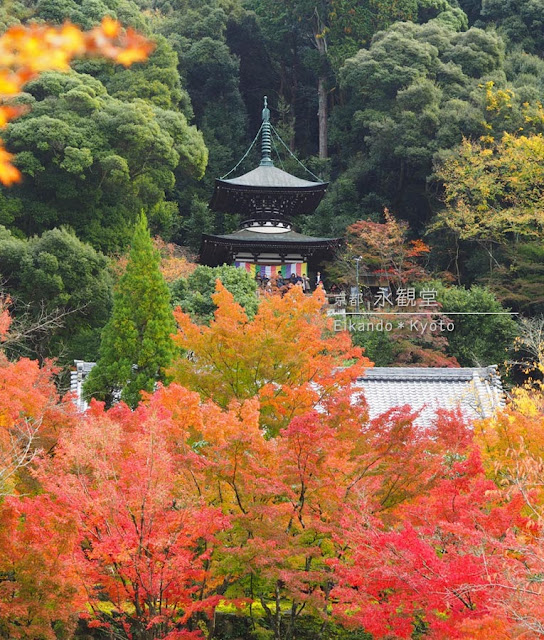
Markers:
(144, 535)
(174, 263)
(37, 588)
(261, 486)
(386, 251)
(287, 355)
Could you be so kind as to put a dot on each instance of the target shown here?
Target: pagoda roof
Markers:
(271, 177)
(267, 187)
(256, 237)
(267, 191)
(216, 249)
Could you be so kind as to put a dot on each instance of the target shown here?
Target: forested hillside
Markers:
(429, 108)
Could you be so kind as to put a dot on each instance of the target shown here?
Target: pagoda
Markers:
(267, 198)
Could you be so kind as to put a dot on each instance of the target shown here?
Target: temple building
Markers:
(268, 198)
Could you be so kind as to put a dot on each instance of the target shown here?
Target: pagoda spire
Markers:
(266, 140)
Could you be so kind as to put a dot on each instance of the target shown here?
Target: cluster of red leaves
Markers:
(31, 417)
(441, 566)
(38, 579)
(26, 51)
(36, 569)
(142, 534)
(142, 522)
(386, 250)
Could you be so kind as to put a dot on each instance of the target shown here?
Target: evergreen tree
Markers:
(136, 345)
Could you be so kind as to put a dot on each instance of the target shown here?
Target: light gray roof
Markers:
(247, 235)
(477, 392)
(269, 176)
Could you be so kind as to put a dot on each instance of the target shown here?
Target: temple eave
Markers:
(221, 249)
(288, 239)
(236, 199)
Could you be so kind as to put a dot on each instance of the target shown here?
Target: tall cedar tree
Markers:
(136, 345)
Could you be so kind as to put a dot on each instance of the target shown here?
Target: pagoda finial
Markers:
(266, 144)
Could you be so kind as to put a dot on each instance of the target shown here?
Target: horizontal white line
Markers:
(426, 313)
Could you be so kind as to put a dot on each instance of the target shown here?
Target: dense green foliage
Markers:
(103, 143)
(478, 339)
(135, 346)
(92, 161)
(194, 293)
(413, 97)
(56, 276)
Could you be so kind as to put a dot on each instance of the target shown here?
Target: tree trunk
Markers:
(294, 93)
(320, 41)
(277, 625)
(322, 116)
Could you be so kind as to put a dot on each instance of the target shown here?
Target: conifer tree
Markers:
(136, 345)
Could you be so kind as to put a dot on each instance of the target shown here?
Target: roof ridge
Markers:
(422, 373)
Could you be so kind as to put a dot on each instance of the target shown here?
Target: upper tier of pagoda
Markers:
(267, 193)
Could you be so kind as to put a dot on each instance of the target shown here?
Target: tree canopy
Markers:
(194, 294)
(56, 273)
(169, 518)
(136, 344)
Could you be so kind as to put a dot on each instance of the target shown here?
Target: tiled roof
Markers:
(476, 391)
(284, 237)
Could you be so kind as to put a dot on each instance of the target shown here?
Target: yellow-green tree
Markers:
(494, 189)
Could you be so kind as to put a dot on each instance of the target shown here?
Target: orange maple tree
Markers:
(285, 496)
(511, 445)
(39, 586)
(287, 355)
(26, 51)
(31, 412)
